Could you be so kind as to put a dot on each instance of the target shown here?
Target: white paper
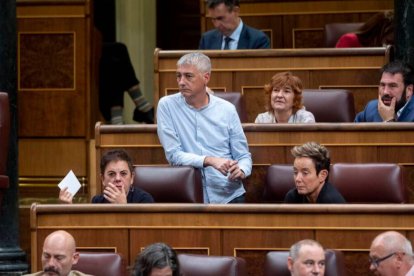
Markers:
(70, 181)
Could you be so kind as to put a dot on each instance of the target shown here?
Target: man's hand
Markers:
(114, 195)
(65, 196)
(386, 112)
(235, 172)
(226, 167)
(221, 164)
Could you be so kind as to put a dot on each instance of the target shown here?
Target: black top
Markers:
(328, 194)
(135, 195)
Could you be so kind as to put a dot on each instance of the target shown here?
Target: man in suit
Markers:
(230, 33)
(395, 102)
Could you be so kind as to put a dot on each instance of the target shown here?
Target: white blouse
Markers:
(301, 116)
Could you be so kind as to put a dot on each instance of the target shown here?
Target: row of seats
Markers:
(327, 105)
(358, 183)
(110, 264)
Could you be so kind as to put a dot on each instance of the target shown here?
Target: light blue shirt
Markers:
(189, 135)
(235, 36)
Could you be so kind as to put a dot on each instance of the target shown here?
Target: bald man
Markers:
(58, 256)
(391, 254)
(306, 258)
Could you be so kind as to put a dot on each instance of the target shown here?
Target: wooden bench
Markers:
(299, 23)
(269, 144)
(247, 230)
(246, 71)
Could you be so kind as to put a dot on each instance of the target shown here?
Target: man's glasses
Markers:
(376, 262)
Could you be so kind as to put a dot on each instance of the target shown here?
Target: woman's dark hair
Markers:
(156, 255)
(116, 155)
(378, 30)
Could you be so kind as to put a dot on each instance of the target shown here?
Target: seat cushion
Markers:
(102, 264)
(369, 182)
(170, 184)
(203, 265)
(279, 180)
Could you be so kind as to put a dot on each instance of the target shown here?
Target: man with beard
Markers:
(58, 256)
(395, 92)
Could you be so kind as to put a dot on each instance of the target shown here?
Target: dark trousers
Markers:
(240, 199)
(116, 75)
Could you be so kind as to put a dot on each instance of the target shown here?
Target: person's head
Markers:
(116, 168)
(397, 81)
(306, 258)
(193, 74)
(378, 30)
(284, 92)
(224, 15)
(59, 253)
(311, 168)
(157, 259)
(391, 254)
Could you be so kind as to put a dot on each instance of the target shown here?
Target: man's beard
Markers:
(51, 269)
(399, 104)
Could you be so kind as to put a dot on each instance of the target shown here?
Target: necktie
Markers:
(227, 40)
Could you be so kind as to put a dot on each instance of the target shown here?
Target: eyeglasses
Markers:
(376, 262)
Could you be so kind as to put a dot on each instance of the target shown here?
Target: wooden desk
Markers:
(246, 71)
(270, 144)
(247, 231)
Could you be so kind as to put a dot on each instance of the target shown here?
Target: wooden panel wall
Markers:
(299, 24)
(247, 71)
(247, 231)
(271, 144)
(57, 107)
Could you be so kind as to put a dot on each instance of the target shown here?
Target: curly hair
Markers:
(157, 255)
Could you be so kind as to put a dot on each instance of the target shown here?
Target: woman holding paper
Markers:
(117, 176)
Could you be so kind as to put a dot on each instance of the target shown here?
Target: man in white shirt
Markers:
(306, 257)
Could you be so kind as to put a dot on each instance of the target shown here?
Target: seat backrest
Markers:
(237, 99)
(276, 263)
(279, 180)
(369, 182)
(330, 105)
(170, 184)
(203, 265)
(333, 31)
(101, 263)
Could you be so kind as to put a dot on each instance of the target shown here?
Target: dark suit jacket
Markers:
(370, 113)
(250, 38)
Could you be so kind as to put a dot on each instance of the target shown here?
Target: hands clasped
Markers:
(226, 167)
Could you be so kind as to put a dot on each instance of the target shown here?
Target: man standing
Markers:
(395, 102)
(230, 33)
(306, 257)
(391, 254)
(201, 130)
(58, 256)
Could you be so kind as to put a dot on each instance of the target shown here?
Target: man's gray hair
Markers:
(295, 249)
(197, 59)
(395, 242)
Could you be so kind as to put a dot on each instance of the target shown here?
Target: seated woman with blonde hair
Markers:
(284, 101)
